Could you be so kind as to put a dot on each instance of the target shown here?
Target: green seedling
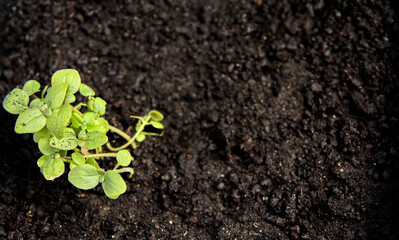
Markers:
(75, 134)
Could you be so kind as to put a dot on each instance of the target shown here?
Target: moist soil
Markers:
(281, 118)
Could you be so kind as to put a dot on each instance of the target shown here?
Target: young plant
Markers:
(67, 134)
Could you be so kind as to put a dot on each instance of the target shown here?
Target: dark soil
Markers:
(281, 118)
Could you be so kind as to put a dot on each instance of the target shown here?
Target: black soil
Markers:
(281, 118)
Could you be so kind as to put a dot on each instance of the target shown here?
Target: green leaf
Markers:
(97, 105)
(156, 116)
(76, 120)
(156, 124)
(78, 158)
(67, 142)
(82, 135)
(72, 165)
(58, 120)
(45, 147)
(124, 158)
(48, 112)
(88, 117)
(113, 184)
(84, 176)
(103, 123)
(42, 160)
(56, 95)
(86, 90)
(37, 103)
(94, 128)
(69, 98)
(69, 76)
(140, 137)
(95, 140)
(101, 172)
(74, 124)
(53, 168)
(77, 117)
(16, 101)
(31, 87)
(99, 125)
(30, 121)
(92, 162)
(43, 133)
(81, 143)
(63, 153)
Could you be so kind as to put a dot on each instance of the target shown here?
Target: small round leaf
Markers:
(156, 116)
(86, 91)
(95, 139)
(67, 142)
(53, 168)
(97, 105)
(124, 157)
(31, 87)
(78, 158)
(113, 184)
(140, 137)
(43, 133)
(42, 160)
(84, 176)
(156, 124)
(56, 95)
(88, 117)
(16, 101)
(45, 147)
(30, 121)
(69, 76)
(69, 98)
(58, 120)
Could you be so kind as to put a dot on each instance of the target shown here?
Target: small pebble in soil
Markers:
(221, 186)
(315, 87)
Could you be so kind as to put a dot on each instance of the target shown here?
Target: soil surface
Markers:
(281, 118)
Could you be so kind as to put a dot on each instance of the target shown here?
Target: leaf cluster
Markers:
(65, 134)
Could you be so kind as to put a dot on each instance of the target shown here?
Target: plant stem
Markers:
(112, 129)
(126, 169)
(66, 160)
(98, 155)
(122, 134)
(76, 110)
(80, 105)
(153, 134)
(146, 120)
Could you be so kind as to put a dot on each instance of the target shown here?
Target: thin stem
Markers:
(112, 129)
(66, 160)
(122, 134)
(76, 110)
(99, 155)
(111, 148)
(80, 105)
(153, 134)
(146, 120)
(126, 169)
(116, 166)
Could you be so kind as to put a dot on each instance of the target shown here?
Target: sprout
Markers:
(66, 135)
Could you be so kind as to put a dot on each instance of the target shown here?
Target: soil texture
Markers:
(281, 117)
